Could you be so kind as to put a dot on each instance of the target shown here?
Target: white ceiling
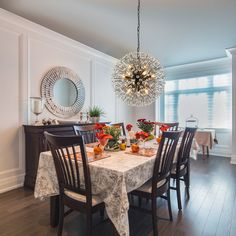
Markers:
(175, 31)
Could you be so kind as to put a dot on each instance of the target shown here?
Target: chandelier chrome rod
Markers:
(138, 31)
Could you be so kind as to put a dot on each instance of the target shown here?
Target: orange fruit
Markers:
(97, 150)
(135, 148)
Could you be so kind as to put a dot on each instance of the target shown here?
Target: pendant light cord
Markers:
(138, 31)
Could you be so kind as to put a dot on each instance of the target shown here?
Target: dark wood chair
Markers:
(159, 184)
(182, 167)
(88, 132)
(173, 126)
(74, 192)
(122, 127)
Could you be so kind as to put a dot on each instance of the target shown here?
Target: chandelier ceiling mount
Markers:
(138, 78)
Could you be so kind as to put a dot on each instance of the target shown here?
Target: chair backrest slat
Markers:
(165, 156)
(87, 131)
(185, 147)
(69, 168)
(76, 168)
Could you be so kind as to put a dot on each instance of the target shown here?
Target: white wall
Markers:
(27, 51)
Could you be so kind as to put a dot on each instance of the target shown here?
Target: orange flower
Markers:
(164, 128)
(101, 135)
(99, 126)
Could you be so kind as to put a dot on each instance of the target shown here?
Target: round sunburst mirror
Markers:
(63, 91)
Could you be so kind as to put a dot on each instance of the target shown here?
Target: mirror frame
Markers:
(47, 85)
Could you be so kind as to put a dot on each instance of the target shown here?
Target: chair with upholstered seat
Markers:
(87, 131)
(182, 167)
(73, 175)
(159, 184)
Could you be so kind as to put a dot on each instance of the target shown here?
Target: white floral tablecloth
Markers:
(112, 178)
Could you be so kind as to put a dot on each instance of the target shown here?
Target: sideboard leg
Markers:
(54, 211)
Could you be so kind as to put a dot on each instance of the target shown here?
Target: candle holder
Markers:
(37, 106)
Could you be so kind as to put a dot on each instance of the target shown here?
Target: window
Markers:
(208, 98)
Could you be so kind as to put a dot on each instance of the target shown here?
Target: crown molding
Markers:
(231, 51)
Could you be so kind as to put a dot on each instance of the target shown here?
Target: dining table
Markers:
(206, 139)
(112, 178)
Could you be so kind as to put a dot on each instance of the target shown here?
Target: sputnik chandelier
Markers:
(138, 78)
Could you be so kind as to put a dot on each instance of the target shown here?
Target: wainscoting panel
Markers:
(11, 163)
(27, 51)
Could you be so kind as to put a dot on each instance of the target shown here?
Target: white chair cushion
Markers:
(173, 171)
(147, 187)
(81, 198)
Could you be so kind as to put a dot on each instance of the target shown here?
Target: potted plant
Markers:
(95, 113)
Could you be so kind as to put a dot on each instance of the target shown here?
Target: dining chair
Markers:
(172, 126)
(182, 167)
(159, 184)
(122, 127)
(73, 178)
(88, 132)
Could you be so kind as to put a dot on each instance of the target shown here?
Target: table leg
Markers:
(54, 211)
(207, 151)
(203, 151)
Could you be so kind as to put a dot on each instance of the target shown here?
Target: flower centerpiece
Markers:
(147, 127)
(141, 137)
(131, 134)
(108, 136)
(115, 132)
(102, 139)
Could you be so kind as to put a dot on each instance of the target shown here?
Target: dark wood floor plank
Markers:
(211, 209)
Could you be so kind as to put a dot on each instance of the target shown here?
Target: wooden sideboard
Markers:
(35, 144)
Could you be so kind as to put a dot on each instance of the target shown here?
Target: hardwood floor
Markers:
(211, 210)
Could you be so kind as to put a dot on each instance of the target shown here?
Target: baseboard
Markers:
(221, 150)
(233, 159)
(11, 183)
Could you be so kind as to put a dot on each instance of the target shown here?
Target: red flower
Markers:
(137, 135)
(147, 123)
(129, 127)
(99, 126)
(141, 120)
(143, 135)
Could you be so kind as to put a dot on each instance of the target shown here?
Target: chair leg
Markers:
(89, 224)
(139, 201)
(61, 218)
(178, 193)
(154, 217)
(169, 205)
(102, 213)
(187, 180)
